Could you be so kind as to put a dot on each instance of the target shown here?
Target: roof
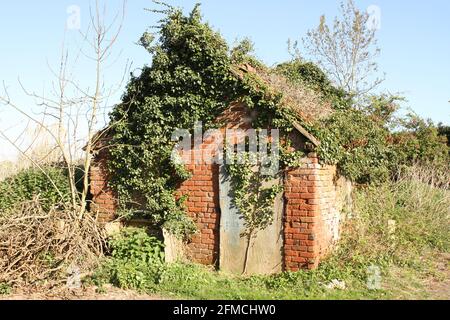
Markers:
(308, 104)
(305, 102)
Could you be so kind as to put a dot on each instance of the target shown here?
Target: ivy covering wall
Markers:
(194, 76)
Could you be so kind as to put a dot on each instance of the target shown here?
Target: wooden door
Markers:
(265, 254)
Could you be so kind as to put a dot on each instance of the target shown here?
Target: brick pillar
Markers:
(301, 227)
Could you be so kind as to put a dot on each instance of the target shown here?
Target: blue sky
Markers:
(414, 39)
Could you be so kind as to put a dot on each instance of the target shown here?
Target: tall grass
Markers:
(398, 222)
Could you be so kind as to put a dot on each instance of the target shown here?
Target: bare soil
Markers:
(108, 293)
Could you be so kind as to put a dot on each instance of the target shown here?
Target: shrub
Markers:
(31, 183)
(134, 244)
(357, 144)
(421, 141)
(137, 260)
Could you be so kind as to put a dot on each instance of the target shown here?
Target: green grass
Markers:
(197, 282)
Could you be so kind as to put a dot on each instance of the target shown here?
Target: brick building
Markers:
(310, 209)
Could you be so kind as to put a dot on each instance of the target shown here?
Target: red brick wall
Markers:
(203, 204)
(203, 207)
(104, 202)
(312, 208)
(312, 217)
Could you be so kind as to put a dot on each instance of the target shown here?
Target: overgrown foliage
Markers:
(302, 73)
(50, 186)
(136, 260)
(395, 227)
(192, 78)
(398, 223)
(189, 81)
(195, 77)
(421, 141)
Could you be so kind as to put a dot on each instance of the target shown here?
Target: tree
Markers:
(69, 114)
(347, 50)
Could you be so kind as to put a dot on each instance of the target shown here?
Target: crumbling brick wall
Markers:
(312, 213)
(313, 203)
(203, 207)
(104, 202)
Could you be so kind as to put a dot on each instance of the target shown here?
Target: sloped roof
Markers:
(305, 102)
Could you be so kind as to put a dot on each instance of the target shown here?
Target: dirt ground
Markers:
(440, 288)
(109, 293)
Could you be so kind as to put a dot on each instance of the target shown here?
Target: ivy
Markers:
(189, 80)
(194, 76)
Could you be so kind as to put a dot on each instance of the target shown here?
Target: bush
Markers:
(136, 262)
(421, 141)
(357, 144)
(134, 244)
(31, 183)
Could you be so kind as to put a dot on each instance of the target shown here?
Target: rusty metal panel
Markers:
(265, 255)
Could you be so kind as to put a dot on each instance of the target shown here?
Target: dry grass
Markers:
(37, 147)
(36, 245)
(399, 222)
(431, 175)
(307, 103)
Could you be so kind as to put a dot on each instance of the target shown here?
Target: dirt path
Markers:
(110, 293)
(439, 288)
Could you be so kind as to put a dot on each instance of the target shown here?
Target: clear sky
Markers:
(414, 38)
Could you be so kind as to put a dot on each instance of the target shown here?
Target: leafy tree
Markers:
(347, 50)
(444, 131)
(420, 141)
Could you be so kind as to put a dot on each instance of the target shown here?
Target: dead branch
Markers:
(36, 245)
